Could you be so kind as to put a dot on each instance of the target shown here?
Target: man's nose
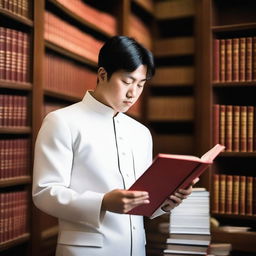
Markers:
(132, 92)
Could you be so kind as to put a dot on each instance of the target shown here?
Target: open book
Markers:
(168, 173)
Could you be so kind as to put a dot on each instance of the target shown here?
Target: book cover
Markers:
(168, 173)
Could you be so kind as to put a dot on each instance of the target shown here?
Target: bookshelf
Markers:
(16, 45)
(58, 52)
(225, 89)
(170, 100)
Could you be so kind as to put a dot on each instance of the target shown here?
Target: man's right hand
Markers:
(122, 201)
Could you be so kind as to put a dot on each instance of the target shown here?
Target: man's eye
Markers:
(126, 82)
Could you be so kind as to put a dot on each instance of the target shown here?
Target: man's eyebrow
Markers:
(131, 77)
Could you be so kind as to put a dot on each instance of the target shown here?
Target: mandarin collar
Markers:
(97, 106)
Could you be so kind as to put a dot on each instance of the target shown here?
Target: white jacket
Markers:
(81, 153)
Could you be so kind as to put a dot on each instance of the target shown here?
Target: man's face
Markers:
(123, 89)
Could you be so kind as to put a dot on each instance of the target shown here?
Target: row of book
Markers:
(18, 7)
(66, 76)
(13, 110)
(98, 18)
(67, 36)
(234, 194)
(13, 215)
(235, 127)
(140, 31)
(189, 228)
(234, 60)
(14, 157)
(14, 58)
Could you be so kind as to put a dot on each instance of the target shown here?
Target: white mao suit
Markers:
(81, 153)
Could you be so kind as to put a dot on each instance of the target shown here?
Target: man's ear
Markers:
(102, 74)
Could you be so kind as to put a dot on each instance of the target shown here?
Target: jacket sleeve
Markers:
(52, 175)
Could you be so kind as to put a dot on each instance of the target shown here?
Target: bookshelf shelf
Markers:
(15, 130)
(15, 85)
(11, 243)
(61, 96)
(235, 216)
(69, 54)
(19, 19)
(235, 84)
(238, 154)
(15, 181)
(233, 27)
(241, 241)
(78, 18)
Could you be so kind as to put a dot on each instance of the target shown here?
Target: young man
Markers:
(88, 154)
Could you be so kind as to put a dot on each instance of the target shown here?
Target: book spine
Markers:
(236, 192)
(222, 60)
(249, 195)
(254, 196)
(235, 59)
(222, 205)
(236, 128)
(229, 127)
(242, 200)
(216, 190)
(254, 58)
(248, 63)
(222, 124)
(242, 44)
(216, 60)
(250, 115)
(229, 62)
(216, 123)
(229, 194)
(243, 128)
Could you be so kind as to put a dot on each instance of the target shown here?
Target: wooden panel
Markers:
(168, 76)
(174, 46)
(174, 9)
(173, 144)
(177, 108)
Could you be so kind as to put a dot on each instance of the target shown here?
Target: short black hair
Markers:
(125, 53)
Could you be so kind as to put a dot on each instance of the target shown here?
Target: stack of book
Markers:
(189, 229)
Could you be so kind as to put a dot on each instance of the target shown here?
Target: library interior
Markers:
(202, 94)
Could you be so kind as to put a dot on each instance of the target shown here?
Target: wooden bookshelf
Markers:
(61, 96)
(21, 180)
(69, 54)
(15, 130)
(78, 18)
(14, 242)
(15, 86)
(218, 25)
(17, 18)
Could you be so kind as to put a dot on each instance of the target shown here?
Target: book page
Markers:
(212, 153)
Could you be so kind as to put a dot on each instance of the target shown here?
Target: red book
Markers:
(236, 128)
(222, 60)
(229, 194)
(228, 60)
(254, 58)
(216, 123)
(216, 193)
(216, 60)
(242, 195)
(250, 116)
(229, 127)
(235, 59)
(242, 59)
(222, 201)
(222, 124)
(167, 174)
(249, 195)
(248, 63)
(243, 128)
(254, 196)
(236, 192)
